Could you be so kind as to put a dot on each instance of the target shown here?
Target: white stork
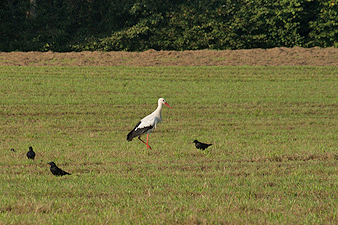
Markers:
(148, 123)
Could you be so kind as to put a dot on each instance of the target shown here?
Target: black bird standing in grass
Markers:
(12, 150)
(200, 145)
(56, 170)
(31, 153)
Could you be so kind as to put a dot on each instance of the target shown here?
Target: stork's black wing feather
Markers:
(138, 132)
(131, 134)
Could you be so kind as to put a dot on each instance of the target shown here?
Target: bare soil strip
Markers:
(251, 57)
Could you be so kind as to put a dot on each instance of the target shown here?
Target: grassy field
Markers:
(273, 158)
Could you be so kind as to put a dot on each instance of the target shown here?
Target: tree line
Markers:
(138, 25)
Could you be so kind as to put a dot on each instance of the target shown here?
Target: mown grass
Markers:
(273, 159)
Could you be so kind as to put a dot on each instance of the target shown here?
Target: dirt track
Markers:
(253, 57)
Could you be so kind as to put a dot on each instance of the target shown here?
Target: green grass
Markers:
(273, 159)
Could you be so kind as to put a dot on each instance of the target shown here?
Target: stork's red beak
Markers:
(167, 105)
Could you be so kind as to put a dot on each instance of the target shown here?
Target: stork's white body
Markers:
(152, 119)
(148, 123)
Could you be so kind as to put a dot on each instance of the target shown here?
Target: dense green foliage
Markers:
(137, 25)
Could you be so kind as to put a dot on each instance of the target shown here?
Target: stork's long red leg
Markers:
(144, 142)
(147, 142)
(141, 140)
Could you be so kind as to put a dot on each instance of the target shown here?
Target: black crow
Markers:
(12, 150)
(56, 170)
(200, 145)
(31, 153)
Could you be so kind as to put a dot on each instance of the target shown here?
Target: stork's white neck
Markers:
(157, 112)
